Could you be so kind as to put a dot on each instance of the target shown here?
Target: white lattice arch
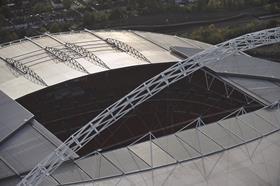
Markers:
(143, 92)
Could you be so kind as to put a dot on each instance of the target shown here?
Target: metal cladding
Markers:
(12, 115)
(21, 137)
(146, 90)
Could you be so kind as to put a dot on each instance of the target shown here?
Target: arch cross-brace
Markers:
(143, 92)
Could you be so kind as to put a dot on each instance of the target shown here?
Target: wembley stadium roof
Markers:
(75, 60)
(236, 144)
(91, 52)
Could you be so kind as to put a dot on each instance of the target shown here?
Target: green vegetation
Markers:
(90, 18)
(54, 27)
(214, 34)
(9, 36)
(40, 16)
(67, 3)
(234, 4)
(272, 7)
(267, 52)
(145, 7)
(155, 7)
(41, 7)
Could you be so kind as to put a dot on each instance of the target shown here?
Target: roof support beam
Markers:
(54, 38)
(121, 46)
(92, 33)
(68, 60)
(81, 51)
(61, 56)
(85, 53)
(126, 48)
(229, 88)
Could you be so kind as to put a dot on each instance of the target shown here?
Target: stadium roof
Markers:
(78, 60)
(41, 62)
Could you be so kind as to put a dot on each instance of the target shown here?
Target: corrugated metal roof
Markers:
(246, 65)
(240, 64)
(24, 141)
(185, 51)
(268, 90)
(166, 41)
(12, 116)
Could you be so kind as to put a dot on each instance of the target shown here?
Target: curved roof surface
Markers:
(35, 63)
(31, 64)
(32, 53)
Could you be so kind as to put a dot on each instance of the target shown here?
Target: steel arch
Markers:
(143, 92)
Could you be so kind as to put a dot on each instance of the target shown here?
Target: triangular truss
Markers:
(24, 70)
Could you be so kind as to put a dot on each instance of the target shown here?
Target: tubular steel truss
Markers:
(229, 89)
(126, 48)
(85, 53)
(66, 58)
(143, 92)
(24, 70)
(81, 51)
(121, 46)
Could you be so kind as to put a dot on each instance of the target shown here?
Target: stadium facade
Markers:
(218, 126)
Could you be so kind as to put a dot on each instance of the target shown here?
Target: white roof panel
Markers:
(18, 49)
(266, 89)
(5, 72)
(196, 43)
(75, 37)
(90, 66)
(120, 60)
(132, 40)
(55, 72)
(246, 65)
(165, 40)
(19, 86)
(46, 41)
